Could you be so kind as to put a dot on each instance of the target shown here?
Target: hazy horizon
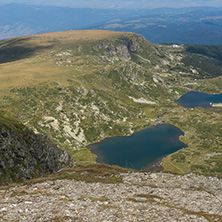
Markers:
(127, 4)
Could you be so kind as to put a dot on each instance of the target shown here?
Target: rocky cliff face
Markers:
(124, 48)
(25, 155)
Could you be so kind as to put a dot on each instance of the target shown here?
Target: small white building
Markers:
(175, 46)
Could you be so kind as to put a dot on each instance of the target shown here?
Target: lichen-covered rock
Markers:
(154, 197)
(26, 155)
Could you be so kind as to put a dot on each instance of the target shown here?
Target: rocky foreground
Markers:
(136, 196)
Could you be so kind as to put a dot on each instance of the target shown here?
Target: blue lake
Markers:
(141, 149)
(198, 99)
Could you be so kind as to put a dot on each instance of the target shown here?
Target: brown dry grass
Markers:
(102, 173)
(66, 37)
(26, 73)
(80, 35)
(32, 71)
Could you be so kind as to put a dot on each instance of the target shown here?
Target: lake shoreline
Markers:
(144, 149)
(194, 99)
(156, 166)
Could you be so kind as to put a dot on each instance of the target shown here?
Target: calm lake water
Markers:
(198, 99)
(139, 150)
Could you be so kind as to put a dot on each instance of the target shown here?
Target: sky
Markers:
(120, 3)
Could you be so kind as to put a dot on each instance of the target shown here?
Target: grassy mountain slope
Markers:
(81, 86)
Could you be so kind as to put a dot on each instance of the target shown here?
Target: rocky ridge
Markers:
(139, 197)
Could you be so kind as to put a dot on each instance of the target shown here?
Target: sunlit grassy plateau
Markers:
(79, 87)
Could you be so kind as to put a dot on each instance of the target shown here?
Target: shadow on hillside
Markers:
(212, 51)
(17, 49)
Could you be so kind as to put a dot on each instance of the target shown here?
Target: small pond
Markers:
(198, 99)
(141, 149)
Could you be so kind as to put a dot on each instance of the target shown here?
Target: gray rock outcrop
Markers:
(155, 197)
(124, 49)
(25, 155)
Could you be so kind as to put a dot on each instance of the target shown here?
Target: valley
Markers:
(79, 87)
(173, 25)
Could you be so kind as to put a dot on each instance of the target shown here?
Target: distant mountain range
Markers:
(201, 25)
(21, 19)
(183, 26)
